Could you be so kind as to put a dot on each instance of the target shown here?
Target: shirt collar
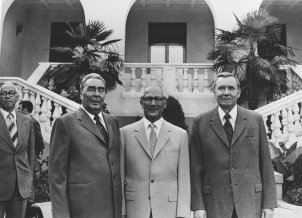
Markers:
(5, 113)
(92, 116)
(232, 113)
(157, 123)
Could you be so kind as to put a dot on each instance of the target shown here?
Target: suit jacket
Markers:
(84, 171)
(17, 163)
(161, 183)
(39, 142)
(225, 176)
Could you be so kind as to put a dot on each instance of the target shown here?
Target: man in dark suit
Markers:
(26, 108)
(84, 158)
(17, 154)
(231, 168)
(155, 163)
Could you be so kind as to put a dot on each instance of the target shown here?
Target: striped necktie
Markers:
(12, 128)
(152, 138)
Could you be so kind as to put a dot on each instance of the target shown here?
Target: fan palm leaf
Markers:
(236, 51)
(91, 51)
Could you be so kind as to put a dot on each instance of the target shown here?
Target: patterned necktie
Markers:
(101, 127)
(12, 128)
(152, 138)
(228, 128)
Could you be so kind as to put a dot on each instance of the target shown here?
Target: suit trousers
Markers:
(14, 207)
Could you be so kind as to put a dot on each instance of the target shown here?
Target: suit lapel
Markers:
(140, 133)
(241, 122)
(87, 123)
(21, 128)
(4, 132)
(163, 138)
(216, 125)
(109, 129)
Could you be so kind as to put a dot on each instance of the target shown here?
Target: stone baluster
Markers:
(32, 97)
(20, 92)
(43, 115)
(290, 120)
(297, 124)
(25, 94)
(162, 80)
(276, 131)
(195, 83)
(185, 81)
(176, 82)
(57, 111)
(206, 82)
(285, 125)
(143, 79)
(132, 80)
(153, 77)
(48, 122)
(37, 107)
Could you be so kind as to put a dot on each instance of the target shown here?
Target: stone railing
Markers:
(47, 105)
(283, 119)
(175, 78)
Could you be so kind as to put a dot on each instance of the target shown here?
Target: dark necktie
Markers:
(101, 127)
(152, 138)
(228, 128)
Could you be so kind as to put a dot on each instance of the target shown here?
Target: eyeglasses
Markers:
(10, 94)
(158, 100)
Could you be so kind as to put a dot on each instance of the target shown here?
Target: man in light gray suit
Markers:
(231, 167)
(155, 163)
(17, 154)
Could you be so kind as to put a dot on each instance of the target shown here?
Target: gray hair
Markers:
(94, 76)
(225, 75)
(10, 84)
(154, 86)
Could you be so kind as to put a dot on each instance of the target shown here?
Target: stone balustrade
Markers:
(48, 106)
(175, 78)
(283, 119)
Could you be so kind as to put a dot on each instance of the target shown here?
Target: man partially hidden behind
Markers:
(84, 158)
(155, 163)
(17, 154)
(231, 168)
(26, 108)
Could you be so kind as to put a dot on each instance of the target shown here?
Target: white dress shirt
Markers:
(157, 124)
(5, 114)
(232, 113)
(92, 117)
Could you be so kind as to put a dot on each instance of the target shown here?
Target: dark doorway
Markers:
(58, 37)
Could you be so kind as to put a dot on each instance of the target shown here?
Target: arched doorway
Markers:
(27, 30)
(181, 30)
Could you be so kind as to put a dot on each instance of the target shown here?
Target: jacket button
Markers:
(152, 181)
(112, 163)
(113, 176)
(233, 169)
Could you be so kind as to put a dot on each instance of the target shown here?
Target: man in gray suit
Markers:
(84, 158)
(155, 163)
(231, 168)
(17, 154)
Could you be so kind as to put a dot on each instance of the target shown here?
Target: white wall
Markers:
(37, 35)
(292, 19)
(12, 44)
(200, 30)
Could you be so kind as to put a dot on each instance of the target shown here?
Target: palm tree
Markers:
(236, 51)
(91, 52)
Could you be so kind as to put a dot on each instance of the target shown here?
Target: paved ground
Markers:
(284, 211)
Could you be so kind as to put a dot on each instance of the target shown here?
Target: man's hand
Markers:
(199, 214)
(267, 213)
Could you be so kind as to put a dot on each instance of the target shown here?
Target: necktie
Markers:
(228, 128)
(101, 128)
(12, 128)
(152, 138)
